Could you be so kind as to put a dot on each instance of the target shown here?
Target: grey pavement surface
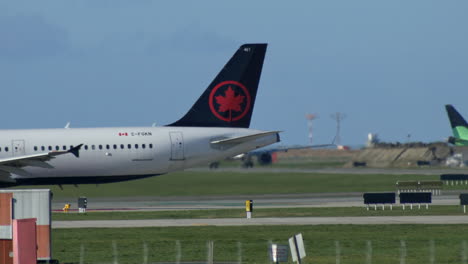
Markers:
(262, 201)
(374, 220)
(235, 202)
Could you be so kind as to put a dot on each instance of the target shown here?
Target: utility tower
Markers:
(310, 118)
(338, 117)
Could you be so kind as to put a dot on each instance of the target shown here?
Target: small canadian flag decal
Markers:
(123, 134)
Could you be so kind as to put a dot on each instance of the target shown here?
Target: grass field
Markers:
(354, 244)
(276, 212)
(209, 183)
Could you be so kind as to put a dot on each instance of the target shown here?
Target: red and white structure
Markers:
(19, 211)
(310, 118)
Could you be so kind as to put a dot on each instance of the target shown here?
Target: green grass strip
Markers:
(354, 243)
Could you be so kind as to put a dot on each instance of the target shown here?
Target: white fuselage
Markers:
(123, 151)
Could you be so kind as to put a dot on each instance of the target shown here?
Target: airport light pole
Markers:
(310, 118)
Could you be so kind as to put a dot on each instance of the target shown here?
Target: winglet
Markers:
(75, 150)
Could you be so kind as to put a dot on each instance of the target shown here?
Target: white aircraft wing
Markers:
(13, 165)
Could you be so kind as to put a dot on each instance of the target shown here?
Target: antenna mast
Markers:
(338, 117)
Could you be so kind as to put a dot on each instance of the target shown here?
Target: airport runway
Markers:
(261, 201)
(236, 202)
(374, 220)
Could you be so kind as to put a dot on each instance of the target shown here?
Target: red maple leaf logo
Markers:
(229, 107)
(229, 102)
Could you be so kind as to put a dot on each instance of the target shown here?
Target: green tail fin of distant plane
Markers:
(459, 127)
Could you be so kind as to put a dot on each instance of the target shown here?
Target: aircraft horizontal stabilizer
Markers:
(457, 141)
(239, 140)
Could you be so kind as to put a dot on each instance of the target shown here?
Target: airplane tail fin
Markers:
(459, 126)
(455, 118)
(229, 99)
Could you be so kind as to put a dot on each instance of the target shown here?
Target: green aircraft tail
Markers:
(459, 127)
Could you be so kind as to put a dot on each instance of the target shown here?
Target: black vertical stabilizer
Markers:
(229, 99)
(455, 118)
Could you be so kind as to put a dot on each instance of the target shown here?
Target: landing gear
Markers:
(214, 165)
(247, 162)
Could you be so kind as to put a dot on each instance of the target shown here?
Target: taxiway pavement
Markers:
(236, 202)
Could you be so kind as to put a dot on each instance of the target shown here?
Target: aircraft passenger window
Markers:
(151, 146)
(6, 149)
(100, 146)
(35, 148)
(93, 147)
(129, 146)
(115, 146)
(50, 148)
(136, 146)
(143, 146)
(0, 149)
(122, 146)
(86, 147)
(42, 148)
(107, 147)
(64, 147)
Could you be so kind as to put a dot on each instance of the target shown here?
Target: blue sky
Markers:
(390, 66)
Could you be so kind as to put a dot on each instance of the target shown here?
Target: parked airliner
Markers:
(216, 127)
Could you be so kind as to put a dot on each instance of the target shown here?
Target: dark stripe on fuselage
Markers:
(75, 180)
